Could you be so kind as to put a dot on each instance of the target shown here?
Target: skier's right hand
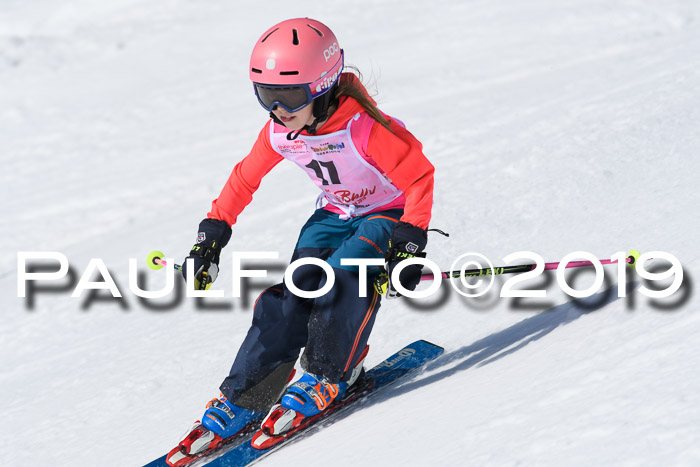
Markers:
(213, 235)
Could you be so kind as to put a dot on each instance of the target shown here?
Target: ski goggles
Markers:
(294, 98)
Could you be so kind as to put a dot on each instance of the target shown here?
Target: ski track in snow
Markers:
(554, 126)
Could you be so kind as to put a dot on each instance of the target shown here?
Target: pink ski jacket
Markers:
(396, 154)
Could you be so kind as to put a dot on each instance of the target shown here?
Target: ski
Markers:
(241, 453)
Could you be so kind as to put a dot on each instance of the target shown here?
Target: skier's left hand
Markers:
(407, 241)
(213, 235)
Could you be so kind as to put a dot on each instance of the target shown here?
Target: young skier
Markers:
(377, 185)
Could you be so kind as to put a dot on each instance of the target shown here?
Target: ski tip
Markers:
(431, 344)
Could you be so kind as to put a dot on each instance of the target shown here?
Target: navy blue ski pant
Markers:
(333, 328)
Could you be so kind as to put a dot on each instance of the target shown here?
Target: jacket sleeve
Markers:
(400, 156)
(245, 179)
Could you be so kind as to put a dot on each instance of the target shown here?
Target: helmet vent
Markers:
(295, 37)
(317, 31)
(287, 73)
(255, 70)
(271, 32)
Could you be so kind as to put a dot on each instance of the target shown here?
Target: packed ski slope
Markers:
(554, 126)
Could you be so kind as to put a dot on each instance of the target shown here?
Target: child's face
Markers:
(295, 121)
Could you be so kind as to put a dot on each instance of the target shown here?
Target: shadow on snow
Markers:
(505, 342)
(488, 349)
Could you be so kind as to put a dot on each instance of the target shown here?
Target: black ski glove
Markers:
(213, 236)
(407, 241)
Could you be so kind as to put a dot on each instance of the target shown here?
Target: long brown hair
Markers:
(351, 88)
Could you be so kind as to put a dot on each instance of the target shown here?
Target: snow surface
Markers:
(554, 126)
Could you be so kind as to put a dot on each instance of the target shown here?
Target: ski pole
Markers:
(382, 282)
(630, 260)
(156, 262)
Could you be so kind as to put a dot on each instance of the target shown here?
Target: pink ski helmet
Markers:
(294, 62)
